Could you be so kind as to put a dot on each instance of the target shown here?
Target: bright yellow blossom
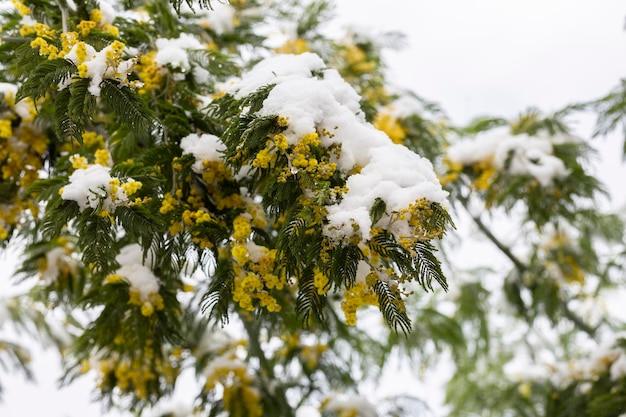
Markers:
(78, 162)
(240, 254)
(21, 8)
(391, 126)
(95, 15)
(85, 27)
(242, 228)
(6, 131)
(103, 157)
(358, 295)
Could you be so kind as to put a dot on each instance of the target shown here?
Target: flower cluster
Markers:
(363, 293)
(138, 375)
(562, 259)
(255, 277)
(207, 151)
(22, 146)
(326, 137)
(170, 57)
(230, 372)
(75, 46)
(185, 213)
(59, 262)
(98, 65)
(358, 295)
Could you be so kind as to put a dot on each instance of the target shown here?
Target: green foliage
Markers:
(217, 299)
(309, 304)
(14, 356)
(129, 109)
(208, 243)
(45, 77)
(603, 398)
(611, 110)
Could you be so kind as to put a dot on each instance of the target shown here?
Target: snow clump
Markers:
(311, 97)
(204, 147)
(525, 154)
(94, 187)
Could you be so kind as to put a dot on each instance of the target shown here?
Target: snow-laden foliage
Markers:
(220, 189)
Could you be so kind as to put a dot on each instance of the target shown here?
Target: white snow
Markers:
(394, 174)
(255, 252)
(98, 67)
(526, 155)
(134, 270)
(204, 147)
(213, 341)
(137, 15)
(220, 17)
(404, 106)
(225, 362)
(23, 108)
(618, 368)
(90, 187)
(603, 357)
(173, 52)
(55, 260)
(352, 402)
(108, 12)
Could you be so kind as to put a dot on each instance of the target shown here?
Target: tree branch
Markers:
(277, 393)
(521, 267)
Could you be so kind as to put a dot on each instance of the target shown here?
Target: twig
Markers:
(521, 267)
(278, 396)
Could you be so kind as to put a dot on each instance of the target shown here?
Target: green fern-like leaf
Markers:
(440, 219)
(97, 241)
(386, 246)
(211, 231)
(377, 210)
(48, 75)
(47, 188)
(26, 58)
(290, 244)
(139, 222)
(217, 298)
(389, 303)
(65, 125)
(13, 355)
(255, 100)
(278, 196)
(428, 266)
(175, 119)
(205, 4)
(82, 104)
(309, 303)
(313, 15)
(247, 138)
(127, 106)
(58, 214)
(343, 266)
(215, 62)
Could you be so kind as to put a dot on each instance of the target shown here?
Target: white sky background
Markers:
(473, 57)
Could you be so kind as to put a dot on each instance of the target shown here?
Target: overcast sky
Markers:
(499, 57)
(494, 57)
